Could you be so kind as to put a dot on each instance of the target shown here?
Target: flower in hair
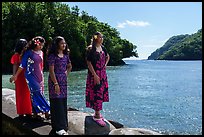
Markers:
(37, 42)
(95, 36)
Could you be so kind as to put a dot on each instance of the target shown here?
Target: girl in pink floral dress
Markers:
(97, 83)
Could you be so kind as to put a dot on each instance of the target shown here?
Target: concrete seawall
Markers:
(79, 123)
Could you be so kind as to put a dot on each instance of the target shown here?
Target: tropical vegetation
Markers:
(50, 19)
(181, 47)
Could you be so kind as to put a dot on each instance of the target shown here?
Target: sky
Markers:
(148, 25)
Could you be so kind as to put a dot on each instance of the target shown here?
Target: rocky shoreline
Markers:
(80, 123)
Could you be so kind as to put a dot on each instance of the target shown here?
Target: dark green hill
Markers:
(181, 47)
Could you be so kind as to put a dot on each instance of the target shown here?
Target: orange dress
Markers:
(23, 99)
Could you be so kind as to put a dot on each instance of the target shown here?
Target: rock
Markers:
(72, 109)
(83, 124)
(92, 128)
(79, 123)
(133, 131)
(76, 121)
(9, 95)
(116, 124)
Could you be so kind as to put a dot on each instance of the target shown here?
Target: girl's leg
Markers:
(47, 115)
(59, 119)
(97, 114)
(99, 119)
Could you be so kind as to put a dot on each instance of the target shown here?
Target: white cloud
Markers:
(133, 23)
(121, 25)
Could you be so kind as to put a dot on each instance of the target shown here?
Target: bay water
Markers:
(163, 96)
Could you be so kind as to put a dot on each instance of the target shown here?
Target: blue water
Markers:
(163, 96)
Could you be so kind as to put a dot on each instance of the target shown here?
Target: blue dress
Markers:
(33, 63)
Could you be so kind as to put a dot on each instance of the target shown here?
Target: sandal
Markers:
(100, 116)
(100, 121)
(62, 132)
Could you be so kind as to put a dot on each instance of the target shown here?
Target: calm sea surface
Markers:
(163, 96)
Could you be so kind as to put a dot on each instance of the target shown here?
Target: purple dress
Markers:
(58, 103)
(60, 66)
(97, 94)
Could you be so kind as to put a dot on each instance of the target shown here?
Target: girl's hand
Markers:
(13, 78)
(96, 79)
(105, 66)
(57, 89)
(10, 80)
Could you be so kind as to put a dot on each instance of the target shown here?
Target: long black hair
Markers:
(20, 44)
(94, 40)
(91, 49)
(53, 49)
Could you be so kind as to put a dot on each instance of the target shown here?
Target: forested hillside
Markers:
(181, 47)
(49, 19)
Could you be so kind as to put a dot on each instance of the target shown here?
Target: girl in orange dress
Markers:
(23, 99)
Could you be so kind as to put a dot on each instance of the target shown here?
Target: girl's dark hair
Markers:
(94, 40)
(92, 46)
(53, 49)
(20, 44)
(90, 51)
(32, 44)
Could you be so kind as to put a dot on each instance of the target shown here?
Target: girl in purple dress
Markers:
(59, 67)
(32, 62)
(97, 83)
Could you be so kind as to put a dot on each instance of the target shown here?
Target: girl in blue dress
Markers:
(32, 62)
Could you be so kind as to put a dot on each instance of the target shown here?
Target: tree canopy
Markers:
(50, 19)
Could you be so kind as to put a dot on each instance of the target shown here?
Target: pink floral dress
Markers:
(97, 94)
